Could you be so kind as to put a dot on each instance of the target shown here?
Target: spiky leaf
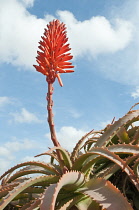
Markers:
(106, 194)
(70, 180)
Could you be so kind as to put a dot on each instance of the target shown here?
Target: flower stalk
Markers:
(53, 60)
(51, 122)
(50, 115)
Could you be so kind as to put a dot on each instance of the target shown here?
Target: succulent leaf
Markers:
(116, 159)
(88, 203)
(67, 205)
(136, 137)
(71, 180)
(65, 155)
(5, 189)
(136, 168)
(23, 173)
(74, 154)
(111, 170)
(22, 186)
(109, 155)
(124, 148)
(35, 163)
(129, 118)
(71, 202)
(123, 135)
(106, 194)
(35, 205)
(89, 165)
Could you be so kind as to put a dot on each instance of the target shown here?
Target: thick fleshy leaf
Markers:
(108, 172)
(116, 159)
(136, 137)
(53, 155)
(32, 206)
(129, 118)
(89, 165)
(71, 180)
(25, 172)
(136, 168)
(6, 188)
(71, 202)
(74, 154)
(88, 203)
(106, 194)
(123, 135)
(109, 155)
(65, 155)
(124, 148)
(131, 159)
(45, 166)
(67, 205)
(21, 187)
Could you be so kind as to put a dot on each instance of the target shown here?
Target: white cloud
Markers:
(135, 94)
(17, 145)
(4, 165)
(43, 158)
(68, 136)
(9, 151)
(104, 124)
(74, 113)
(5, 152)
(28, 3)
(21, 31)
(4, 100)
(96, 35)
(25, 117)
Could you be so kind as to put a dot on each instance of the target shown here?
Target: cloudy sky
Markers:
(104, 37)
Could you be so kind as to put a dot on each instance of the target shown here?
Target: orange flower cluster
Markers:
(53, 57)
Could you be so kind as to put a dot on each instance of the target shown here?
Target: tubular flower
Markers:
(52, 57)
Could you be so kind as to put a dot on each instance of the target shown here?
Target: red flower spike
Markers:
(53, 58)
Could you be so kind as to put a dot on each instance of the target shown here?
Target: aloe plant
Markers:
(102, 171)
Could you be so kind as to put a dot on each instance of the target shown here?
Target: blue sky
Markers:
(104, 37)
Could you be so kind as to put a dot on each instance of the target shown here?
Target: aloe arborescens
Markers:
(53, 60)
(102, 171)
